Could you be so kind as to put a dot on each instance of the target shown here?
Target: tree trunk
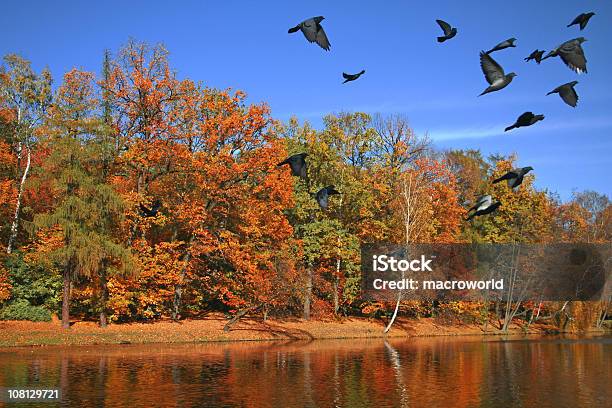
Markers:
(103, 297)
(510, 314)
(308, 293)
(397, 305)
(239, 315)
(66, 296)
(176, 302)
(336, 300)
(604, 313)
(15, 223)
(178, 289)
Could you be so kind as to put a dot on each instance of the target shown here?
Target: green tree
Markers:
(87, 209)
(363, 158)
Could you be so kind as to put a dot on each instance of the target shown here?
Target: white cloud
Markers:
(443, 134)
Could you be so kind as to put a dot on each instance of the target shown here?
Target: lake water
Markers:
(422, 372)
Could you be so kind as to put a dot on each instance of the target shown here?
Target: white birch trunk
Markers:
(15, 223)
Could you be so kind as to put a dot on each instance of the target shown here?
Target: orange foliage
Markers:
(224, 236)
(5, 286)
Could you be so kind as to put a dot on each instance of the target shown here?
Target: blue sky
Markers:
(245, 45)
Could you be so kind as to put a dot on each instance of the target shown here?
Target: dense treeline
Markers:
(135, 195)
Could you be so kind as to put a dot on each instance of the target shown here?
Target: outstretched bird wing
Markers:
(346, 76)
(484, 200)
(444, 26)
(576, 20)
(508, 176)
(585, 20)
(583, 24)
(572, 55)
(490, 68)
(294, 29)
(569, 95)
(490, 208)
(321, 39)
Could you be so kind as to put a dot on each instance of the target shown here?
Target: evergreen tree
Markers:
(88, 209)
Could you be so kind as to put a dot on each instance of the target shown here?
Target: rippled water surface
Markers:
(425, 372)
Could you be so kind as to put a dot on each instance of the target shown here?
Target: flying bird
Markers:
(488, 210)
(536, 55)
(582, 19)
(150, 212)
(297, 163)
(567, 93)
(502, 45)
(571, 54)
(449, 32)
(494, 74)
(514, 177)
(483, 202)
(352, 77)
(526, 119)
(323, 194)
(313, 31)
(484, 205)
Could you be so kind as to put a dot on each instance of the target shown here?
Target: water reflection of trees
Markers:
(416, 373)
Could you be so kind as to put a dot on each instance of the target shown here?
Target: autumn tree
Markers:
(338, 155)
(471, 171)
(363, 158)
(586, 217)
(25, 97)
(232, 219)
(525, 214)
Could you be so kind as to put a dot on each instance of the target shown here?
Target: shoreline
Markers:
(210, 330)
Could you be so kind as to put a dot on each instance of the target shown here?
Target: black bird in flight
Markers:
(582, 19)
(449, 32)
(503, 45)
(297, 163)
(483, 201)
(572, 54)
(152, 212)
(323, 194)
(526, 119)
(514, 177)
(352, 77)
(536, 55)
(567, 93)
(313, 31)
(494, 74)
(484, 205)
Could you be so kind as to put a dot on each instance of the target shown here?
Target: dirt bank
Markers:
(210, 329)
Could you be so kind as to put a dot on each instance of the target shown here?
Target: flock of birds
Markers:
(570, 52)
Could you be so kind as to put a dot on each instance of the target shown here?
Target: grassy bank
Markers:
(210, 329)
